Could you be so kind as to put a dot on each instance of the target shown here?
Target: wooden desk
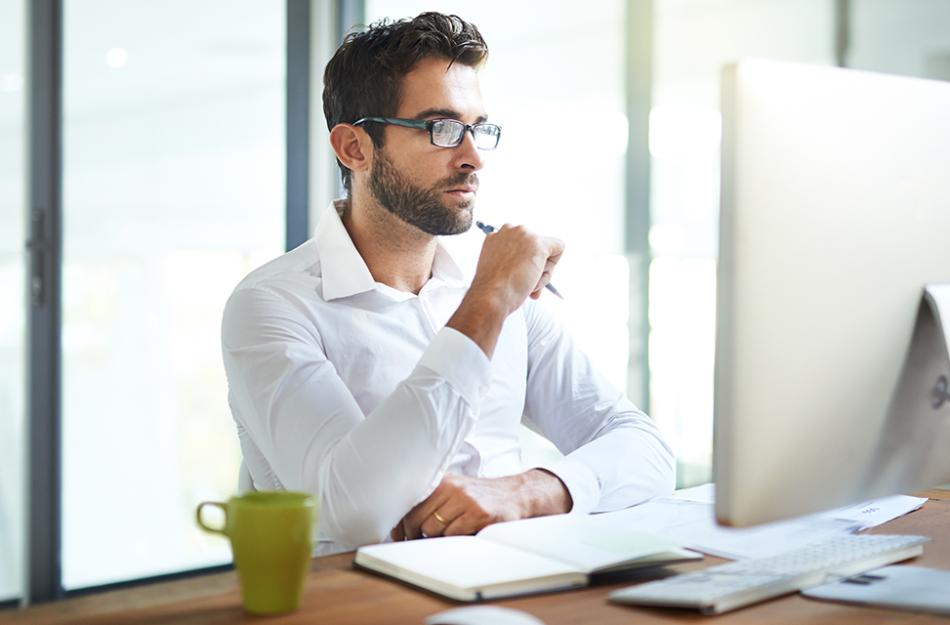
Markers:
(336, 594)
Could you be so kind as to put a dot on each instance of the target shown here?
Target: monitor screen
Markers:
(835, 214)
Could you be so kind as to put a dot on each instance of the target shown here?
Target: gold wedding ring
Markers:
(438, 517)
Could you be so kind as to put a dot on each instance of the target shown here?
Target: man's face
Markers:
(430, 187)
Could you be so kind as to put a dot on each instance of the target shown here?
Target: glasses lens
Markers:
(447, 133)
(486, 136)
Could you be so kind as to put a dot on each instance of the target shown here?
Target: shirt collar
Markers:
(446, 269)
(344, 271)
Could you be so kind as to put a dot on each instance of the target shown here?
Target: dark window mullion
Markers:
(298, 121)
(44, 297)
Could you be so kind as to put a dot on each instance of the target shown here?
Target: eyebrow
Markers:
(439, 112)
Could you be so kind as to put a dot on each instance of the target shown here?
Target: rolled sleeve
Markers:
(581, 482)
(460, 362)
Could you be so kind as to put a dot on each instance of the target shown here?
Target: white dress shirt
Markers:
(349, 389)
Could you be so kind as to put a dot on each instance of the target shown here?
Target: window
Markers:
(693, 40)
(897, 37)
(173, 191)
(13, 311)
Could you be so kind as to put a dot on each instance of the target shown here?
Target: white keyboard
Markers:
(729, 586)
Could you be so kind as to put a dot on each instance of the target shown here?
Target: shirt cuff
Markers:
(461, 362)
(581, 482)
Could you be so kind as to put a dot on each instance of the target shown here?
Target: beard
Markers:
(417, 206)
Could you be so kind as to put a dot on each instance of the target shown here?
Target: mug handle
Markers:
(208, 528)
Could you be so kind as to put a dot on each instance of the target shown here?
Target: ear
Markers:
(352, 146)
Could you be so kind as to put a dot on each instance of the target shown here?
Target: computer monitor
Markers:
(835, 214)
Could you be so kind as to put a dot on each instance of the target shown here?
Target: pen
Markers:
(489, 229)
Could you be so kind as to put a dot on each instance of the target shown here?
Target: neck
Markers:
(397, 254)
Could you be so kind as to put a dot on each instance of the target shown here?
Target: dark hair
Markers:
(364, 77)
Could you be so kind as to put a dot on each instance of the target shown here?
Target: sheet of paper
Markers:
(877, 511)
(705, 535)
(698, 529)
(704, 493)
(656, 515)
(869, 513)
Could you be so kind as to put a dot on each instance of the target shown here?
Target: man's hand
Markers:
(514, 264)
(463, 505)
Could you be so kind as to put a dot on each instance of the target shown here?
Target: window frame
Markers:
(44, 214)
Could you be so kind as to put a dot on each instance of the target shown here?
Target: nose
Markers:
(467, 157)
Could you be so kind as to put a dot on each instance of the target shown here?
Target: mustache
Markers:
(459, 180)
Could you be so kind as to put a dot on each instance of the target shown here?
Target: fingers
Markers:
(543, 281)
(458, 506)
(432, 527)
(554, 248)
(397, 533)
(467, 524)
(458, 527)
(422, 522)
(412, 522)
(519, 240)
(552, 260)
(519, 260)
(439, 520)
(462, 525)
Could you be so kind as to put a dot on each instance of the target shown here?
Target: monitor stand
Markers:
(914, 445)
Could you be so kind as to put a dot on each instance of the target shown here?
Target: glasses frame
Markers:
(429, 124)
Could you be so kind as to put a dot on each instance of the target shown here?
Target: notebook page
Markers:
(461, 561)
(587, 542)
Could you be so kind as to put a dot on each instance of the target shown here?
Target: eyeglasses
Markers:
(445, 133)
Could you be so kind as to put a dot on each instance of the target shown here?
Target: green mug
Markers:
(271, 534)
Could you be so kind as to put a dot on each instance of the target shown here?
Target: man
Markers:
(364, 368)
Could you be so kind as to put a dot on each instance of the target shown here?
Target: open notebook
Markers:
(520, 557)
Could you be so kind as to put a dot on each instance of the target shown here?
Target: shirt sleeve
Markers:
(614, 455)
(367, 471)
